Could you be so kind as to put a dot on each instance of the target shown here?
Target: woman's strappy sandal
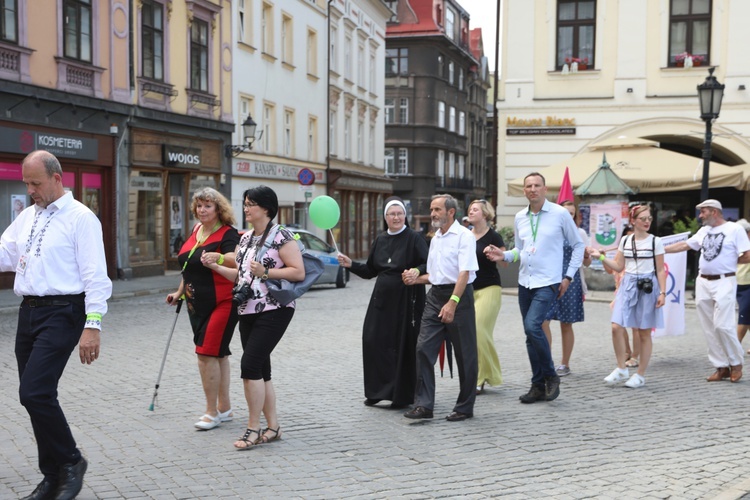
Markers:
(276, 435)
(249, 443)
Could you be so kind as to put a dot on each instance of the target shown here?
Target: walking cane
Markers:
(164, 358)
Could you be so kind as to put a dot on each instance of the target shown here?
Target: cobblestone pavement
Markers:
(678, 437)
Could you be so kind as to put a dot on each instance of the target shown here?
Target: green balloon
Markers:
(324, 212)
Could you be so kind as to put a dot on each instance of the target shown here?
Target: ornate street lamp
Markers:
(710, 93)
(248, 131)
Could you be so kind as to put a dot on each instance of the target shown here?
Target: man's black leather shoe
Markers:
(71, 480)
(419, 412)
(552, 388)
(457, 416)
(44, 491)
(536, 393)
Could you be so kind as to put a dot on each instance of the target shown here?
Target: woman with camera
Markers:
(640, 296)
(263, 320)
(209, 298)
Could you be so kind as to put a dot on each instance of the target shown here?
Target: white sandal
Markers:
(207, 422)
(226, 416)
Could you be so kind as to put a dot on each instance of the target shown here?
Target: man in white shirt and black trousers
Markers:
(56, 249)
(540, 230)
(449, 310)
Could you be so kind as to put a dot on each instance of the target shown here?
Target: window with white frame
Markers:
(361, 141)
(348, 57)
(440, 166)
(287, 42)
(288, 133)
(451, 72)
(403, 161)
(450, 23)
(77, 30)
(460, 79)
(152, 40)
(312, 52)
(269, 138)
(348, 137)
(9, 21)
(461, 123)
(389, 109)
(312, 138)
(371, 144)
(451, 165)
(246, 109)
(461, 166)
(361, 78)
(332, 131)
(199, 55)
(333, 56)
(403, 110)
(689, 31)
(241, 19)
(441, 114)
(373, 75)
(452, 119)
(389, 161)
(266, 29)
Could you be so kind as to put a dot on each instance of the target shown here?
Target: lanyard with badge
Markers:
(534, 229)
(23, 262)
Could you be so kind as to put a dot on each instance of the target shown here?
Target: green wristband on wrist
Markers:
(456, 298)
(220, 260)
(415, 269)
(602, 257)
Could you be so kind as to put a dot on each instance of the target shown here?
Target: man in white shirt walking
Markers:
(541, 228)
(722, 244)
(449, 310)
(56, 249)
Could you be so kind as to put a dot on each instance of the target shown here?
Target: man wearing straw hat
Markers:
(722, 245)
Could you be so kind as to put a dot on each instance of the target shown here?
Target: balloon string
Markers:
(334, 241)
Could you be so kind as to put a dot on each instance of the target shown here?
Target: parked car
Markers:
(333, 272)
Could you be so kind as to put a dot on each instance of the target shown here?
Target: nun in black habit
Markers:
(389, 334)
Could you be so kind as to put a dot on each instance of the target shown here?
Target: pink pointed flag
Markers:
(566, 190)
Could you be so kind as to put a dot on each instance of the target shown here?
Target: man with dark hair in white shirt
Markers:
(449, 310)
(56, 249)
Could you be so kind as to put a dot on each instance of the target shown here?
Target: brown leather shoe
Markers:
(736, 373)
(720, 374)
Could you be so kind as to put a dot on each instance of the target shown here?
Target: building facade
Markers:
(356, 101)
(579, 72)
(436, 84)
(279, 75)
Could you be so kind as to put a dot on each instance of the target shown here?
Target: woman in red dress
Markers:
(209, 299)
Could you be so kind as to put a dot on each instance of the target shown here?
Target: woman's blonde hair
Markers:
(638, 210)
(487, 211)
(223, 207)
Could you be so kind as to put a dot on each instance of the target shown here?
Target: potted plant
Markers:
(688, 60)
(582, 63)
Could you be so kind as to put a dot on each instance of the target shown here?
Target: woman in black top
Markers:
(487, 293)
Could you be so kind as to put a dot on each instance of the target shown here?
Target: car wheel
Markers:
(341, 277)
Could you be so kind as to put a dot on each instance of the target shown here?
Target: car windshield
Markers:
(314, 243)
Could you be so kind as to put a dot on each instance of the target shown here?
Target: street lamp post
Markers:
(710, 93)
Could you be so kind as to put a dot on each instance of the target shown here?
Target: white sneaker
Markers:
(635, 381)
(617, 376)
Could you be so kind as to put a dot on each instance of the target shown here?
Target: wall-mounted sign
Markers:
(139, 183)
(244, 168)
(550, 125)
(175, 156)
(15, 140)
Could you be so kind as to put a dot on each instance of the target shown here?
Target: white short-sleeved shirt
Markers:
(644, 253)
(451, 253)
(720, 247)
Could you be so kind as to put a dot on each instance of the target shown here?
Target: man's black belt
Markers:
(450, 286)
(52, 300)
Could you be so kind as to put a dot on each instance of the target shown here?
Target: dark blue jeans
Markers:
(535, 304)
(45, 338)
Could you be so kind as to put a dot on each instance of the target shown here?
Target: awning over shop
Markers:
(646, 168)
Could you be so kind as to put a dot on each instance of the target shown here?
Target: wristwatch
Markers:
(569, 278)
(264, 276)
